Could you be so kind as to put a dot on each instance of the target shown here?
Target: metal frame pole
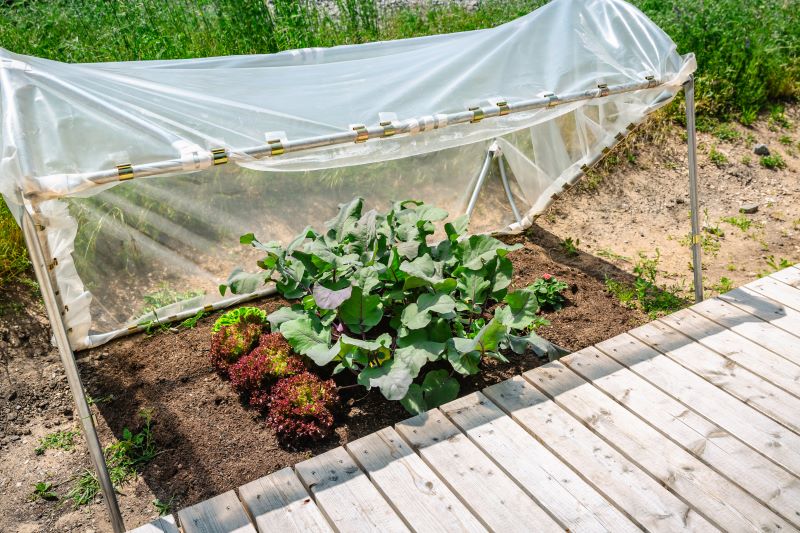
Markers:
(697, 262)
(487, 163)
(507, 187)
(35, 249)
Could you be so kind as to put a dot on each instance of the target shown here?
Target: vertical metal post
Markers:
(697, 263)
(40, 267)
(507, 187)
(481, 178)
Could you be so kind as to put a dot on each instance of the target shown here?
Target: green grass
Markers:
(13, 254)
(740, 221)
(748, 52)
(773, 162)
(60, 440)
(124, 458)
(645, 293)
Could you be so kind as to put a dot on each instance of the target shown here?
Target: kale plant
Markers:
(376, 296)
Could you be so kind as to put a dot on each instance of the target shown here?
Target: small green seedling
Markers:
(60, 440)
(570, 247)
(773, 162)
(43, 490)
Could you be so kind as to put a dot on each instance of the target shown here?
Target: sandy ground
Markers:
(640, 206)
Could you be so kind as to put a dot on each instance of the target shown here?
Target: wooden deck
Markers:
(691, 422)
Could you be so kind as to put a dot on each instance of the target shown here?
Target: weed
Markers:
(717, 157)
(548, 292)
(610, 254)
(725, 132)
(13, 254)
(569, 246)
(740, 221)
(123, 458)
(191, 322)
(164, 296)
(773, 162)
(778, 119)
(97, 401)
(43, 490)
(163, 508)
(708, 242)
(645, 293)
(777, 264)
(730, 267)
(785, 140)
(723, 285)
(746, 160)
(60, 440)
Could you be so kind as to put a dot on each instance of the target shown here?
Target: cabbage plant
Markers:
(377, 295)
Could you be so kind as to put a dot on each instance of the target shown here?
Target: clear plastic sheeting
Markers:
(127, 248)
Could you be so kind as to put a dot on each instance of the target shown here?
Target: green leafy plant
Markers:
(238, 332)
(374, 297)
(60, 440)
(740, 221)
(724, 285)
(717, 157)
(548, 292)
(785, 140)
(123, 458)
(725, 132)
(43, 490)
(569, 246)
(644, 292)
(773, 162)
(301, 408)
(775, 265)
(239, 315)
(163, 508)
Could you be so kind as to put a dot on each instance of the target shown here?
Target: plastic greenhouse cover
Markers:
(124, 250)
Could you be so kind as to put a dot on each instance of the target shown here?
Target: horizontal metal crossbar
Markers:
(359, 134)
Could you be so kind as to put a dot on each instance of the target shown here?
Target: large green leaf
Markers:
(463, 356)
(284, 314)
(520, 311)
(422, 271)
(331, 298)
(414, 400)
(310, 338)
(361, 312)
(439, 388)
(241, 282)
(536, 344)
(346, 219)
(478, 250)
(418, 315)
(457, 227)
(392, 378)
(473, 286)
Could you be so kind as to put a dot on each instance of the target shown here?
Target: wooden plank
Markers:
(752, 328)
(610, 473)
(489, 493)
(345, 495)
(736, 348)
(413, 488)
(752, 427)
(789, 276)
(220, 514)
(718, 499)
(724, 373)
(764, 308)
(540, 473)
(279, 502)
(778, 291)
(769, 483)
(163, 524)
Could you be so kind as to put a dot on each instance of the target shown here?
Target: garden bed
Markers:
(211, 442)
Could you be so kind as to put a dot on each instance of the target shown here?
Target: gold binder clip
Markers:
(125, 172)
(361, 133)
(219, 156)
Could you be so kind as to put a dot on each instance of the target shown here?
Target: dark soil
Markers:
(210, 441)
